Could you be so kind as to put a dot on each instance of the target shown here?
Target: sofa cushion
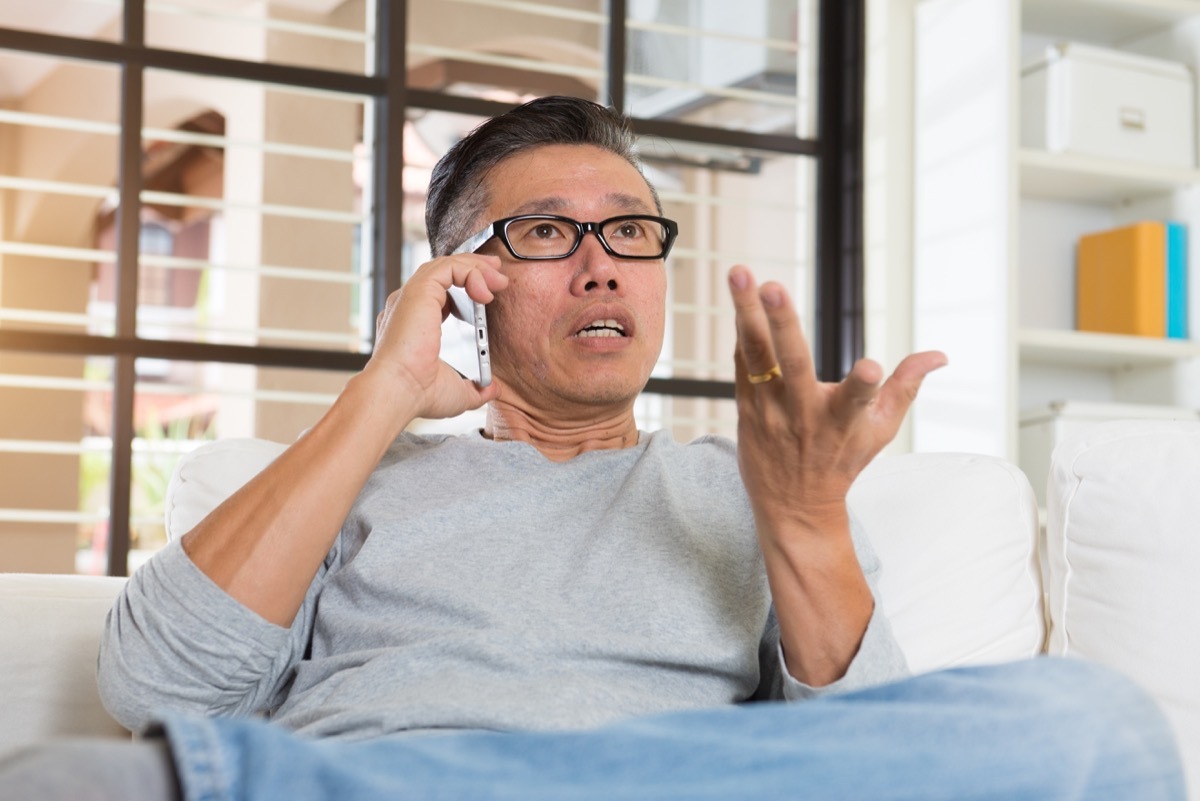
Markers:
(1123, 551)
(205, 477)
(957, 536)
(49, 637)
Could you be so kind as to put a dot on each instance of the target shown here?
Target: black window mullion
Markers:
(128, 52)
(121, 476)
(128, 231)
(391, 112)
(839, 213)
(615, 59)
(725, 137)
(180, 350)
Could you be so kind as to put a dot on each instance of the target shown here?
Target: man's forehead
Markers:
(622, 202)
(559, 178)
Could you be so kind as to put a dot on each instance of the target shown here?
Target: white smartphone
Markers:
(465, 338)
(466, 350)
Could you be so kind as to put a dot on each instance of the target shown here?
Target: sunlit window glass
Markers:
(330, 35)
(508, 51)
(747, 66)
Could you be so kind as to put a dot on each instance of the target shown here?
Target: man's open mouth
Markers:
(602, 328)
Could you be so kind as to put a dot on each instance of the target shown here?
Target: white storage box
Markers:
(1043, 428)
(1108, 103)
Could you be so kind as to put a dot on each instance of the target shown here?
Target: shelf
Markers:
(1106, 22)
(1065, 176)
(1105, 351)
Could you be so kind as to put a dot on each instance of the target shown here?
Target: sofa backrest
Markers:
(956, 534)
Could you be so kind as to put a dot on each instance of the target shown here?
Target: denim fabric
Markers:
(1043, 729)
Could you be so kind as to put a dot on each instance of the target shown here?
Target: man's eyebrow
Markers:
(630, 204)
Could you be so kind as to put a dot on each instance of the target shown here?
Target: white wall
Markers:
(887, 192)
(964, 220)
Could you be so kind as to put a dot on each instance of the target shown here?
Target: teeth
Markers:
(603, 328)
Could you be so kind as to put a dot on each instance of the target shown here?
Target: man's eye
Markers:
(545, 231)
(629, 231)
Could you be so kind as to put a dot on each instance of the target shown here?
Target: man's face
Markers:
(539, 350)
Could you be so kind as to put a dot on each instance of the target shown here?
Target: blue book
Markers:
(1177, 281)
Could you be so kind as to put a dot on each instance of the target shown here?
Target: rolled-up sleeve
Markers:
(878, 659)
(175, 641)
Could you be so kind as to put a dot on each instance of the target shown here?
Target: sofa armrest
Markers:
(1122, 556)
(50, 629)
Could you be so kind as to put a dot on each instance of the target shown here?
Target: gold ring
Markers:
(762, 378)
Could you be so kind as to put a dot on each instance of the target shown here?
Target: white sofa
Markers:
(967, 580)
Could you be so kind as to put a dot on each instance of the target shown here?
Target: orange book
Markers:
(1121, 281)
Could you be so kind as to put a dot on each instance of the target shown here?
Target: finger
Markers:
(918, 365)
(787, 337)
(753, 331)
(453, 393)
(476, 395)
(742, 388)
(755, 408)
(477, 274)
(491, 392)
(480, 280)
(856, 392)
(901, 388)
(435, 277)
(381, 320)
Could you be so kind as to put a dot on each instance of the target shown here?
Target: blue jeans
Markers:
(1047, 728)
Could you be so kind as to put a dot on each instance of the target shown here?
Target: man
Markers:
(605, 596)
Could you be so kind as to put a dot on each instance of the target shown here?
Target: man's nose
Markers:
(597, 269)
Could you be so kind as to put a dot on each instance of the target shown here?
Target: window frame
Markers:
(837, 150)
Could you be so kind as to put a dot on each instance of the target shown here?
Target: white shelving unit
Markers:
(1108, 22)
(1080, 349)
(1083, 179)
(996, 223)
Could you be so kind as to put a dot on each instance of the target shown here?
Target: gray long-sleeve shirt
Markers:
(476, 584)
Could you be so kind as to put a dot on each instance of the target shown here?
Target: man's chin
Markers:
(598, 385)
(597, 389)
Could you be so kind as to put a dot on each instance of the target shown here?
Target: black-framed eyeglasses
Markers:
(535, 237)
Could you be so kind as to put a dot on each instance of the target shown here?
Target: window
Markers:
(202, 206)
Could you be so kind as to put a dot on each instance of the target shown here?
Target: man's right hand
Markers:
(264, 545)
(409, 334)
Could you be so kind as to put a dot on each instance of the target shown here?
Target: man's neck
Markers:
(559, 440)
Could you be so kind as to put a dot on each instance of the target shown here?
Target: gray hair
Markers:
(457, 196)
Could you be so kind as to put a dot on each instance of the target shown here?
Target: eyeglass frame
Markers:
(499, 229)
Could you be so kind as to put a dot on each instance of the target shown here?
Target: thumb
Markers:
(900, 390)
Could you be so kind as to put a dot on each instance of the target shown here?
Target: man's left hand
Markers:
(801, 444)
(801, 441)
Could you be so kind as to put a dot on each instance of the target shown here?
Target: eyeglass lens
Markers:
(547, 237)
